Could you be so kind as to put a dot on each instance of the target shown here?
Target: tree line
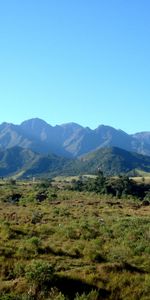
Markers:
(116, 186)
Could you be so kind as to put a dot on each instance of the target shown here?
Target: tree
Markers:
(100, 183)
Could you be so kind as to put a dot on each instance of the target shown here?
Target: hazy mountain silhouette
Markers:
(69, 140)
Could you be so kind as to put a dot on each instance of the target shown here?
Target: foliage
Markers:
(40, 273)
(93, 295)
(116, 186)
(24, 163)
(96, 244)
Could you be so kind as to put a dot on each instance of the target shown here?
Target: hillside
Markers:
(26, 163)
(16, 159)
(112, 161)
(69, 140)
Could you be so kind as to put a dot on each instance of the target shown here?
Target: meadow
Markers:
(59, 243)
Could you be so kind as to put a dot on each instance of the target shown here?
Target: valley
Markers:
(74, 213)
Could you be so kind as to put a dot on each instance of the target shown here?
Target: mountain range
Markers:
(35, 148)
(70, 140)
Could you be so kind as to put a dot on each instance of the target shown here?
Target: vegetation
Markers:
(80, 239)
(24, 163)
(115, 186)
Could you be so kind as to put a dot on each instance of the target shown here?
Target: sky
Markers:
(83, 61)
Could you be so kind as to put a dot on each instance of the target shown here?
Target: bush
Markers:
(12, 181)
(93, 295)
(36, 217)
(39, 273)
(56, 294)
(52, 196)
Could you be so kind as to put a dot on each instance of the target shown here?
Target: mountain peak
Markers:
(105, 127)
(69, 139)
(34, 122)
(71, 125)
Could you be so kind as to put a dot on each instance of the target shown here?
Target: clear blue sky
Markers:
(86, 61)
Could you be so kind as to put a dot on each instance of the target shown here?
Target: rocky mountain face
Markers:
(69, 140)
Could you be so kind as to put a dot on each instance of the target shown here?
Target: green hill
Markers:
(114, 161)
(26, 163)
(111, 161)
(15, 159)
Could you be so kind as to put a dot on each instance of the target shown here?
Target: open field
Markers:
(72, 245)
(140, 179)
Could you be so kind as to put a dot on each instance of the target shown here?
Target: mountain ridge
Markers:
(25, 163)
(70, 139)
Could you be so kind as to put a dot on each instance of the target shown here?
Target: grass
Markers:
(145, 179)
(72, 246)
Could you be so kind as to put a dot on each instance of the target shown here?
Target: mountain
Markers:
(115, 161)
(20, 162)
(70, 140)
(141, 143)
(16, 159)
(26, 163)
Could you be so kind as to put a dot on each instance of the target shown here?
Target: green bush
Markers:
(39, 273)
(93, 295)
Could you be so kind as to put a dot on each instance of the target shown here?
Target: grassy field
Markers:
(142, 179)
(61, 244)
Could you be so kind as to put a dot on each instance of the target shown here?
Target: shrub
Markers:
(93, 295)
(39, 273)
(52, 196)
(56, 294)
(12, 181)
(35, 241)
(36, 217)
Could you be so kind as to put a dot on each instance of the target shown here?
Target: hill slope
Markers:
(15, 160)
(115, 161)
(112, 161)
(24, 163)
